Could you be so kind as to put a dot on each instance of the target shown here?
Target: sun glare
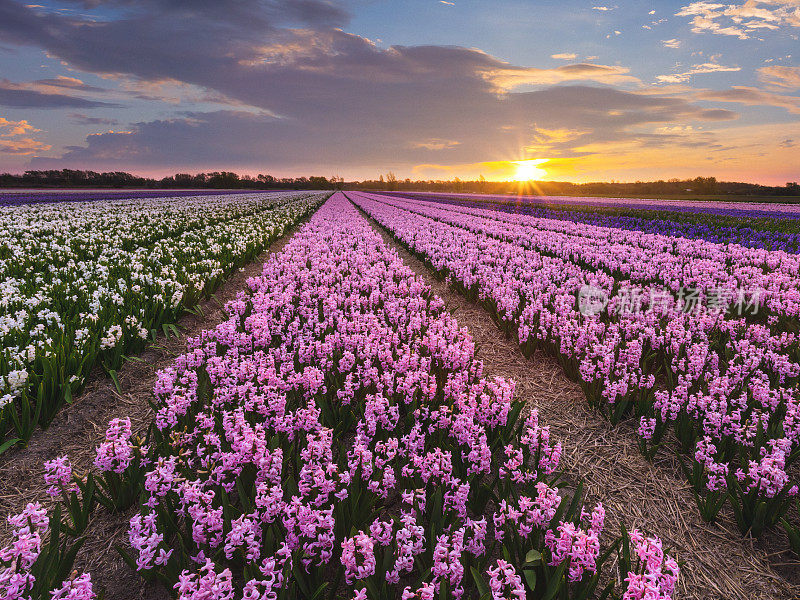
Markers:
(528, 170)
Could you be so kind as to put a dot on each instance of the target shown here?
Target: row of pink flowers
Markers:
(728, 378)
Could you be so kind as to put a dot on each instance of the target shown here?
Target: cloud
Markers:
(788, 77)
(23, 146)
(673, 43)
(14, 95)
(13, 128)
(709, 67)
(603, 8)
(435, 144)
(12, 143)
(751, 96)
(730, 19)
(575, 116)
(82, 119)
(62, 81)
(298, 92)
(564, 56)
(507, 77)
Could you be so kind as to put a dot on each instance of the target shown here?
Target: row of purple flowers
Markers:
(742, 229)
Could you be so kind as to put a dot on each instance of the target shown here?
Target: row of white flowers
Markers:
(83, 282)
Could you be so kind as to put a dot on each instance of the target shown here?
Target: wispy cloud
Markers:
(63, 82)
(564, 56)
(788, 77)
(709, 67)
(604, 8)
(673, 43)
(435, 144)
(751, 96)
(508, 77)
(38, 95)
(82, 119)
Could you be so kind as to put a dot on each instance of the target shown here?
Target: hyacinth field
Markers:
(336, 434)
(84, 283)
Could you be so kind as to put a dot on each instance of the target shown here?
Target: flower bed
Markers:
(336, 438)
(725, 384)
(86, 283)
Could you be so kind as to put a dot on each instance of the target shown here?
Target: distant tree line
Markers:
(68, 178)
(700, 186)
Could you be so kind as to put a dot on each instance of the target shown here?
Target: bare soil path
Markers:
(719, 563)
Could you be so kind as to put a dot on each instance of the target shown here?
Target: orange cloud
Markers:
(11, 143)
(23, 146)
(753, 97)
(509, 77)
(788, 77)
(14, 128)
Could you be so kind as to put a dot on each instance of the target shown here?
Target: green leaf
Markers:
(530, 578)
(574, 506)
(794, 535)
(555, 582)
(479, 582)
(9, 444)
(320, 590)
(533, 557)
(127, 558)
(113, 374)
(69, 559)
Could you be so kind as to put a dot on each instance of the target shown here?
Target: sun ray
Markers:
(528, 170)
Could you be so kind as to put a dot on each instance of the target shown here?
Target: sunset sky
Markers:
(425, 88)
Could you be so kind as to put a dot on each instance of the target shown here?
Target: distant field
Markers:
(715, 197)
(620, 205)
(17, 196)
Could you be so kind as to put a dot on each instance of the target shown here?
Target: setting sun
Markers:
(528, 170)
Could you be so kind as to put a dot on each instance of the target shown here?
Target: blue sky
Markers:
(425, 88)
